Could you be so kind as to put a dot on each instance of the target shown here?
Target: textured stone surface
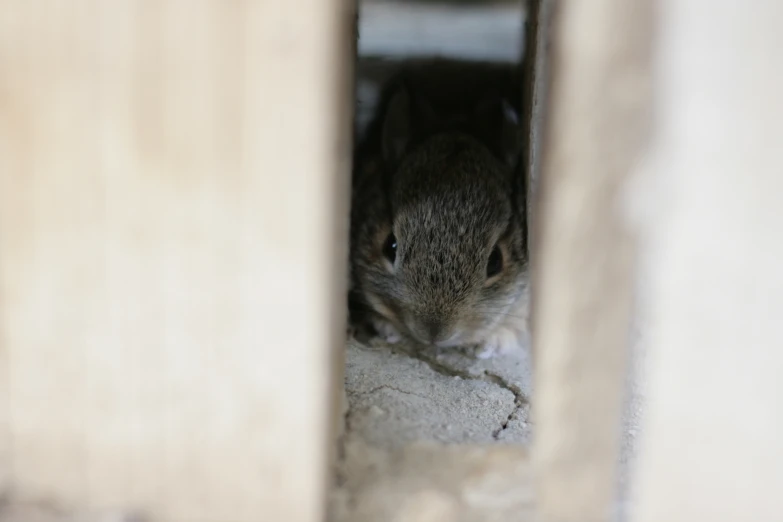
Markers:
(423, 428)
(398, 395)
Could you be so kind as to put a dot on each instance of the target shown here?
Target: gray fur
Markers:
(442, 179)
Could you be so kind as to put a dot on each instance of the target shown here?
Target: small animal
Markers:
(438, 231)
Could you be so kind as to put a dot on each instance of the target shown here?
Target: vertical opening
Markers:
(424, 417)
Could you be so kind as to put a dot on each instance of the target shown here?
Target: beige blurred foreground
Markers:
(173, 191)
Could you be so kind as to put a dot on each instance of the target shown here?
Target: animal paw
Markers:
(386, 331)
(499, 343)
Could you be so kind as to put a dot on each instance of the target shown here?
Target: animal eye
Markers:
(390, 248)
(495, 263)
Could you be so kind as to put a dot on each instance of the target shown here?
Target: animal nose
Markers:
(433, 329)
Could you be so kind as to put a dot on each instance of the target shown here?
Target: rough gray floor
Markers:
(418, 423)
(425, 423)
(399, 395)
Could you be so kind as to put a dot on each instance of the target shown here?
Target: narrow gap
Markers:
(391, 34)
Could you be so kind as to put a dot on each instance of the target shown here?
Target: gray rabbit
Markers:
(438, 231)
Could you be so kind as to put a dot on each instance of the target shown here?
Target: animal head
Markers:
(447, 259)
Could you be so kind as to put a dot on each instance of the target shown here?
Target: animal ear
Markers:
(404, 115)
(498, 121)
(397, 126)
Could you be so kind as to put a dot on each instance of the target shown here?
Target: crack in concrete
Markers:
(439, 367)
(392, 388)
(504, 424)
(520, 400)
